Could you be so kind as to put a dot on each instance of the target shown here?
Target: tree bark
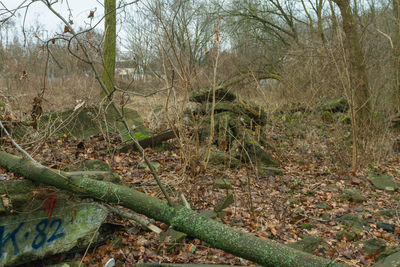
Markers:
(333, 18)
(396, 52)
(109, 45)
(357, 69)
(262, 251)
(310, 21)
(318, 11)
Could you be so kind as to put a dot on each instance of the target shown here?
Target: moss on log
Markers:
(262, 251)
(151, 141)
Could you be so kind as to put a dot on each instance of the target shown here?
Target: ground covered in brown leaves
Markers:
(302, 201)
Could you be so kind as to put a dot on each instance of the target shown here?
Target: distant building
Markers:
(135, 74)
(125, 73)
(268, 83)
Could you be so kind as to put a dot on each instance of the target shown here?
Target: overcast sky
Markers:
(39, 15)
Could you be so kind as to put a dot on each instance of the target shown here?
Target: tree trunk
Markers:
(318, 11)
(310, 21)
(262, 251)
(333, 18)
(396, 52)
(357, 70)
(109, 45)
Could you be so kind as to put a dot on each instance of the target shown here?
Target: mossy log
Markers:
(222, 93)
(262, 251)
(150, 141)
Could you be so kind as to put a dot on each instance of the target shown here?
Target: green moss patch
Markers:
(90, 121)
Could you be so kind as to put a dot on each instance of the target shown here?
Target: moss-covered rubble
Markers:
(237, 126)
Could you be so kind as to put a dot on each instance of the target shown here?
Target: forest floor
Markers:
(282, 208)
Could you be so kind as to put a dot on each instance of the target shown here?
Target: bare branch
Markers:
(109, 97)
(20, 149)
(142, 95)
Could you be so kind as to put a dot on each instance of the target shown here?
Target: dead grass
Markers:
(317, 81)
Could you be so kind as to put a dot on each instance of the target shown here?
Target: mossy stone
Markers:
(327, 117)
(335, 105)
(298, 213)
(90, 121)
(307, 244)
(386, 226)
(222, 184)
(396, 146)
(257, 153)
(384, 183)
(93, 169)
(323, 205)
(353, 223)
(222, 160)
(269, 170)
(354, 195)
(16, 187)
(116, 242)
(293, 201)
(235, 123)
(346, 119)
(15, 196)
(89, 165)
(351, 236)
(73, 226)
(140, 132)
(225, 128)
(176, 237)
(204, 95)
(2, 107)
(307, 226)
(373, 246)
(161, 147)
(222, 106)
(390, 257)
(390, 213)
(224, 202)
(253, 111)
(156, 165)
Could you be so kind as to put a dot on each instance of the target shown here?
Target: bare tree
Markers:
(109, 45)
(333, 17)
(277, 18)
(359, 89)
(357, 70)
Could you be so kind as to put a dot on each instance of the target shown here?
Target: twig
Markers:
(146, 224)
(91, 241)
(184, 201)
(387, 36)
(212, 115)
(142, 95)
(20, 149)
(12, 11)
(109, 97)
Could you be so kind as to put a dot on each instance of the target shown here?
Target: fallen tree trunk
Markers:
(151, 141)
(262, 251)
